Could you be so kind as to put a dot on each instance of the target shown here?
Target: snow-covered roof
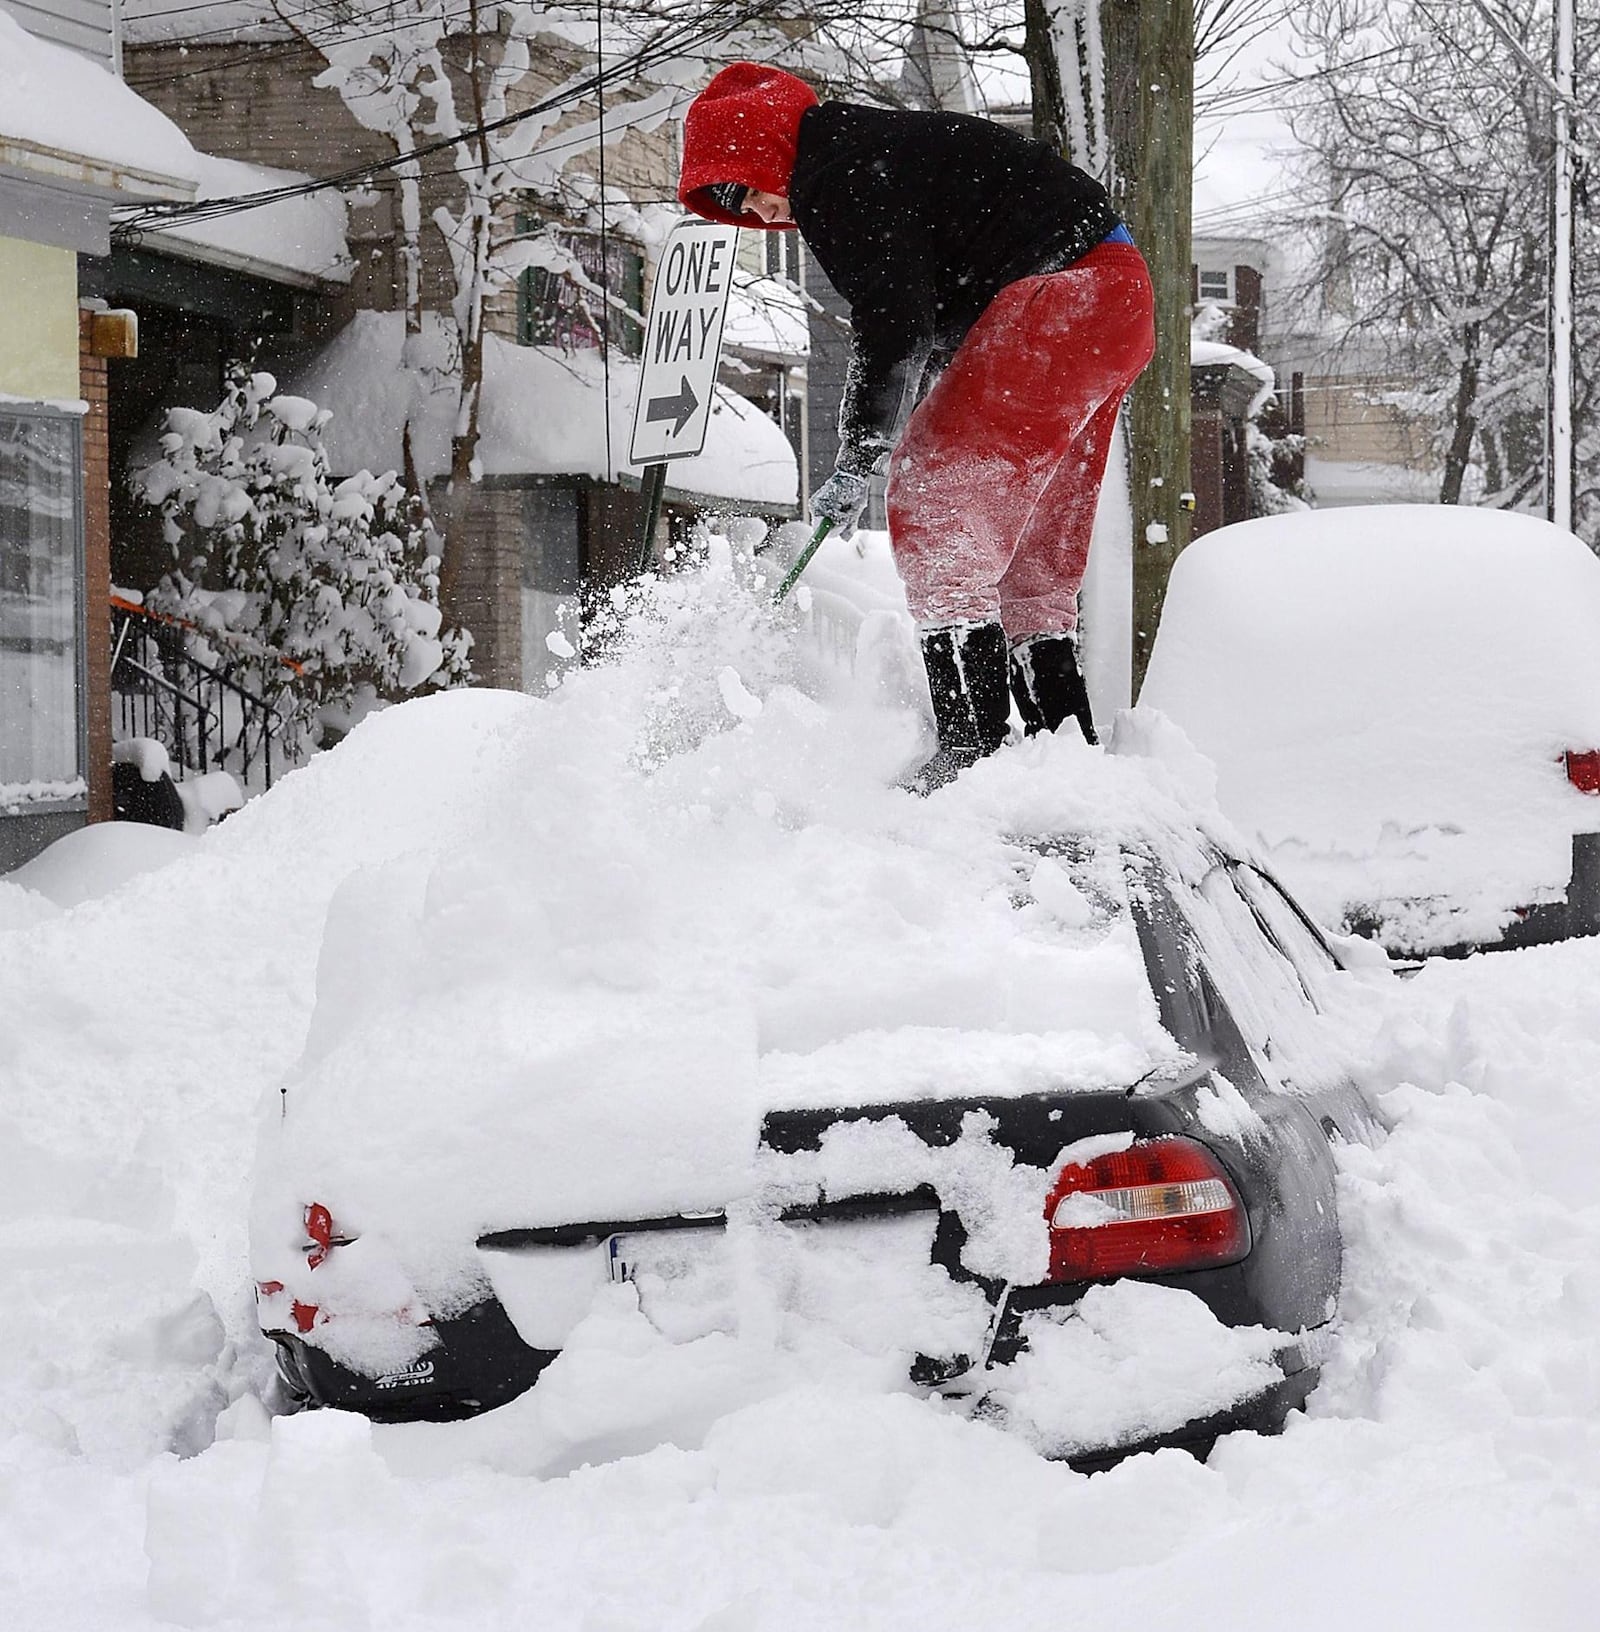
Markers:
(297, 240)
(66, 120)
(1211, 353)
(1253, 251)
(1387, 693)
(766, 319)
(540, 416)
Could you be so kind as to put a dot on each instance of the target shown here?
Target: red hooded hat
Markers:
(744, 127)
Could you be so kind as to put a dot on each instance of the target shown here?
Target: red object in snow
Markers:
(1583, 769)
(319, 1227)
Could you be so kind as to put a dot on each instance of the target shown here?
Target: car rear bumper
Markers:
(478, 1363)
(1263, 1413)
(481, 1363)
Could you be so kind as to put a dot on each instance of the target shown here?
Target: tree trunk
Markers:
(1464, 421)
(1044, 75)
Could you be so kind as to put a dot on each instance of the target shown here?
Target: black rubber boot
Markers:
(1048, 685)
(967, 682)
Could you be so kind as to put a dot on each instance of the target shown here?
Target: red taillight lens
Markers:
(1159, 1207)
(304, 1315)
(322, 1235)
(1583, 770)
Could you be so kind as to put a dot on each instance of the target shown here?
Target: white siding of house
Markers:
(87, 26)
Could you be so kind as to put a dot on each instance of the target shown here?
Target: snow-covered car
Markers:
(970, 1182)
(1402, 704)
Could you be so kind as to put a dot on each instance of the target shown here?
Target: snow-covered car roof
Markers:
(1387, 693)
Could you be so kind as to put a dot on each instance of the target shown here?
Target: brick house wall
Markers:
(485, 525)
(256, 103)
(1221, 394)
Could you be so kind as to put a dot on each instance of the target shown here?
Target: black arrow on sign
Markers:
(678, 408)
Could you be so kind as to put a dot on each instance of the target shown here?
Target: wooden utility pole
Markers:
(1146, 95)
(1157, 176)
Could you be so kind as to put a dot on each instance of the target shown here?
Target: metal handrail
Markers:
(185, 703)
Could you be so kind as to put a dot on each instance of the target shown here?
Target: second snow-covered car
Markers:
(1402, 703)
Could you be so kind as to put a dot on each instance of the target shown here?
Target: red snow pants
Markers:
(992, 488)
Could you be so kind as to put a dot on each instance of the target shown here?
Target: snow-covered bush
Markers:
(324, 593)
(1277, 463)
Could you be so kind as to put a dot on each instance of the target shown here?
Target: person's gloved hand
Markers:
(840, 500)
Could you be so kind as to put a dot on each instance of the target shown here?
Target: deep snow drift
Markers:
(1447, 1474)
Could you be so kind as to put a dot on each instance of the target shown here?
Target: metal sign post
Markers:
(1561, 280)
(682, 347)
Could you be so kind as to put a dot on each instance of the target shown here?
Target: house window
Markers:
(41, 590)
(1216, 287)
(555, 309)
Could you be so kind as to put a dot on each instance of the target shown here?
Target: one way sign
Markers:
(682, 342)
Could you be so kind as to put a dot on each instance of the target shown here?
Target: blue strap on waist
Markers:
(1118, 235)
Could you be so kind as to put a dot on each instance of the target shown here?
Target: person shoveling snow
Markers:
(1000, 311)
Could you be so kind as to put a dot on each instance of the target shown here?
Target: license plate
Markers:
(667, 1254)
(869, 1282)
(684, 1278)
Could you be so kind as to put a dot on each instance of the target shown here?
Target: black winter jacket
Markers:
(919, 220)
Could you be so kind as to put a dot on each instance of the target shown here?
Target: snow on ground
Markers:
(1447, 1475)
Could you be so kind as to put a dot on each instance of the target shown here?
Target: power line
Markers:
(279, 22)
(173, 10)
(272, 51)
(671, 42)
(176, 11)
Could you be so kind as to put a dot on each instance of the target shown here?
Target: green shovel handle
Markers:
(824, 527)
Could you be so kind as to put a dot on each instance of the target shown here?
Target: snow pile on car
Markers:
(1387, 694)
(688, 893)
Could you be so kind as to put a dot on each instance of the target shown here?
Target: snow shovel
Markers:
(824, 527)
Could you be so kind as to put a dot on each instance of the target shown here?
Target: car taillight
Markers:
(1583, 770)
(322, 1234)
(1159, 1207)
(304, 1315)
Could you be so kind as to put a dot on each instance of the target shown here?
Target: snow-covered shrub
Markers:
(1277, 463)
(323, 594)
